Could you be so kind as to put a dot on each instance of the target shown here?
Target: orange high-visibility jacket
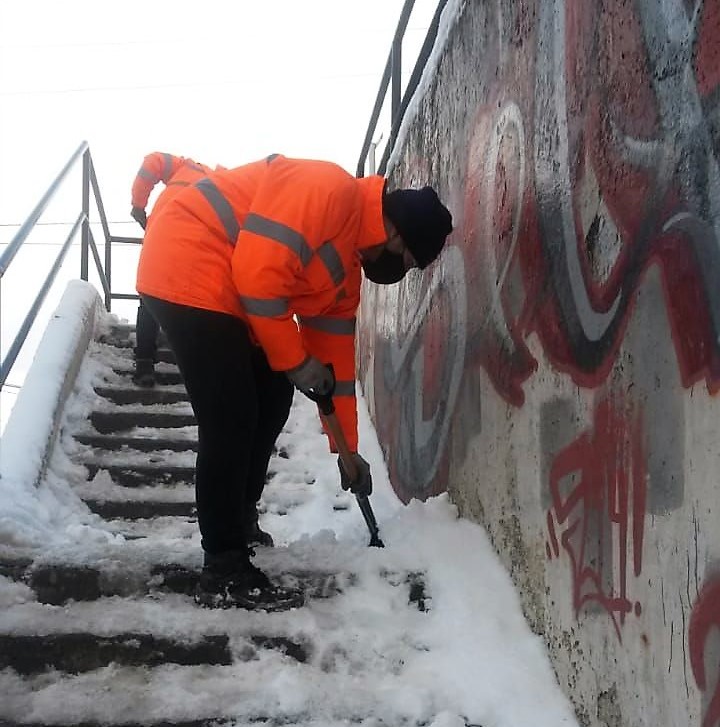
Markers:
(273, 242)
(175, 172)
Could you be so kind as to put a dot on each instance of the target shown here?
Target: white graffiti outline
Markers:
(419, 432)
(510, 114)
(552, 161)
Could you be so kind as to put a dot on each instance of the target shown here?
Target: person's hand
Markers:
(362, 484)
(139, 215)
(312, 378)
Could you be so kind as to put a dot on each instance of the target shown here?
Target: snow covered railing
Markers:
(33, 424)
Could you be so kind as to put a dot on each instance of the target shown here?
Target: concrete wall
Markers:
(557, 370)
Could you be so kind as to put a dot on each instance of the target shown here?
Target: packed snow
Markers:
(470, 658)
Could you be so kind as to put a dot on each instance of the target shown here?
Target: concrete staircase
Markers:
(145, 442)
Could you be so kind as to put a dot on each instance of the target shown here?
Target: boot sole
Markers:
(226, 600)
(270, 543)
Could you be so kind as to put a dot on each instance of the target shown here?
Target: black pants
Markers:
(146, 331)
(241, 406)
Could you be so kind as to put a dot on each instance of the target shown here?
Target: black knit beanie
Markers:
(421, 219)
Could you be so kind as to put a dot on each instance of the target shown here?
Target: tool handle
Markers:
(368, 514)
(333, 426)
(370, 521)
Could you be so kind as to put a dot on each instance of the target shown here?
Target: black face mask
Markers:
(387, 269)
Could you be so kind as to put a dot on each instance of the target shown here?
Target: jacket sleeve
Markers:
(156, 167)
(292, 213)
(331, 339)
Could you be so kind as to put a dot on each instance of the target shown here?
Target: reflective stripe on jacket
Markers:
(275, 243)
(175, 172)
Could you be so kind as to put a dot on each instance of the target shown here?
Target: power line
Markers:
(155, 42)
(168, 86)
(67, 224)
(76, 243)
(105, 44)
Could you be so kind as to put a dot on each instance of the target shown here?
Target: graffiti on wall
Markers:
(598, 489)
(428, 368)
(624, 149)
(704, 624)
(593, 156)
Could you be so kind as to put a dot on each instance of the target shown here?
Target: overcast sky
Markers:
(222, 81)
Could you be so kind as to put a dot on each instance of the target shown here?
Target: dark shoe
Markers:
(144, 373)
(254, 534)
(243, 586)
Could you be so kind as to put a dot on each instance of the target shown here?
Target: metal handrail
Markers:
(21, 235)
(88, 246)
(393, 71)
(21, 336)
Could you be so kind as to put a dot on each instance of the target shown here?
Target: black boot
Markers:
(254, 534)
(230, 580)
(144, 373)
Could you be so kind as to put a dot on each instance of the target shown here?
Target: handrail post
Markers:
(85, 236)
(372, 168)
(393, 69)
(106, 234)
(108, 271)
(396, 55)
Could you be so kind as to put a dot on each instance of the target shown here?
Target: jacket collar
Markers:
(372, 227)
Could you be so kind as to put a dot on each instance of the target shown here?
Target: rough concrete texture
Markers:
(558, 368)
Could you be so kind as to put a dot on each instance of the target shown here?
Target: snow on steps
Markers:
(91, 653)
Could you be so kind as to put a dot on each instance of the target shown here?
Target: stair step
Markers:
(162, 377)
(163, 354)
(144, 475)
(15, 569)
(141, 444)
(301, 720)
(125, 334)
(56, 584)
(212, 722)
(82, 652)
(137, 395)
(108, 422)
(316, 584)
(140, 509)
(261, 720)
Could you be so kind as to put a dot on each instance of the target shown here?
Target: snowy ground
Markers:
(469, 657)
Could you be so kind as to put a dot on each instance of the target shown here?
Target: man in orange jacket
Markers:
(254, 274)
(176, 173)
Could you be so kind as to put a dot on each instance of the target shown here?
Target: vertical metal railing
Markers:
(85, 235)
(392, 77)
(87, 247)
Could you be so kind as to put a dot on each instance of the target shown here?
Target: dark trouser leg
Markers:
(146, 331)
(275, 395)
(214, 354)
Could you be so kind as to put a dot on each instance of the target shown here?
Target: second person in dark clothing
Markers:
(175, 172)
